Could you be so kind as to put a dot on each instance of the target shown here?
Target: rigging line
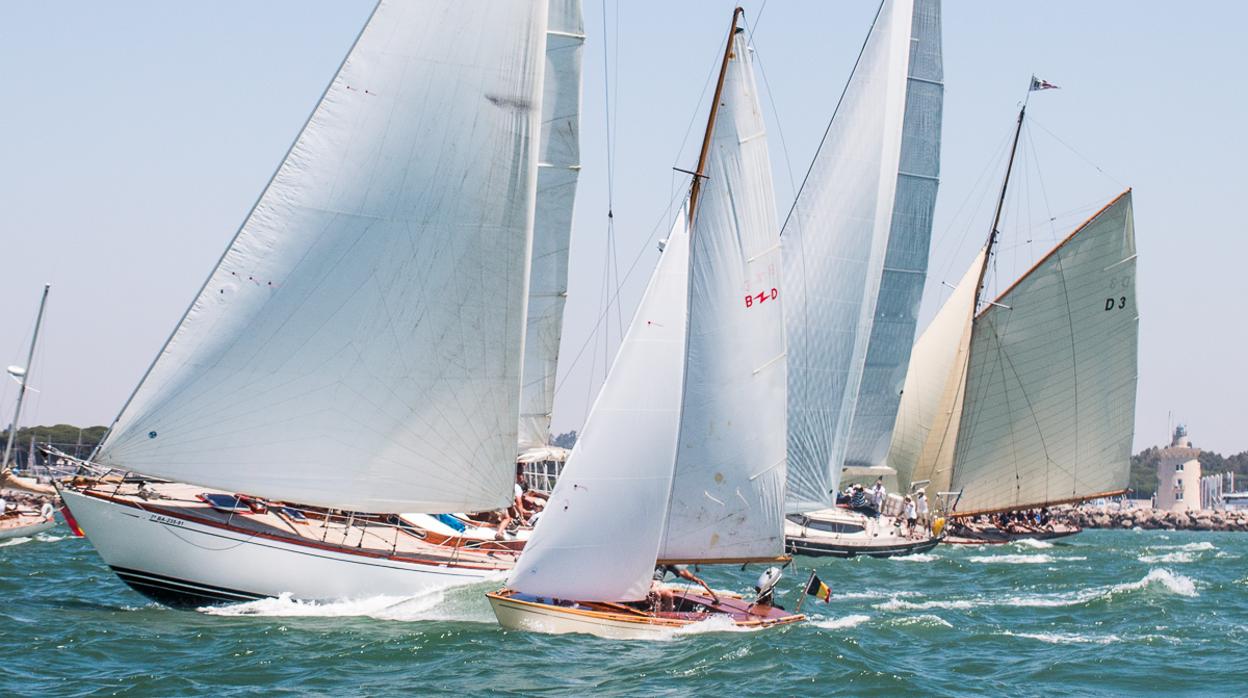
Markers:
(749, 39)
(593, 333)
(981, 180)
(1080, 155)
(1044, 192)
(828, 129)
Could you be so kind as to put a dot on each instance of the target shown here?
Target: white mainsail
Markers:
(558, 166)
(905, 260)
(874, 174)
(599, 533)
(359, 344)
(693, 407)
(1049, 404)
(727, 497)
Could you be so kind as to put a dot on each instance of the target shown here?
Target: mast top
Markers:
(700, 173)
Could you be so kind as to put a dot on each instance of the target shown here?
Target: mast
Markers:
(993, 233)
(21, 390)
(700, 173)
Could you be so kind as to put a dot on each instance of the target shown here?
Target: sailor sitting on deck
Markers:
(664, 599)
(858, 502)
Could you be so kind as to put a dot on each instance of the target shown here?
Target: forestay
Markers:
(359, 344)
(727, 500)
(598, 537)
(558, 167)
(934, 382)
(1050, 390)
(905, 260)
(835, 245)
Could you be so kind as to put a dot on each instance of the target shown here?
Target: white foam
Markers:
(457, 604)
(918, 557)
(1068, 638)
(717, 623)
(1035, 559)
(1177, 556)
(1157, 577)
(15, 541)
(926, 619)
(1188, 547)
(842, 622)
(875, 594)
(1032, 543)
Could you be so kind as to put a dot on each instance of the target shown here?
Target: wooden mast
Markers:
(700, 173)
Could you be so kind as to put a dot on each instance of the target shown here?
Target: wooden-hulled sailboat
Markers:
(682, 457)
(856, 249)
(21, 522)
(358, 348)
(1028, 400)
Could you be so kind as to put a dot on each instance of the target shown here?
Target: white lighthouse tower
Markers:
(1178, 474)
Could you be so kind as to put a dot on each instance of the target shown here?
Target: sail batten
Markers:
(358, 345)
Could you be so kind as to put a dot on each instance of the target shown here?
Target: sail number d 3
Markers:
(1112, 303)
(760, 297)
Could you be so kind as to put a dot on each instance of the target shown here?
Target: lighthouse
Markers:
(1178, 474)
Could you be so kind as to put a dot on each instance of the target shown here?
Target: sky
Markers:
(135, 136)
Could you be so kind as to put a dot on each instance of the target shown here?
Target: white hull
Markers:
(185, 563)
(26, 530)
(519, 615)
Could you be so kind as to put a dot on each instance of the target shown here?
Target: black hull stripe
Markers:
(181, 593)
(797, 547)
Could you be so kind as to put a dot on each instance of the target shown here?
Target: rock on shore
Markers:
(1152, 519)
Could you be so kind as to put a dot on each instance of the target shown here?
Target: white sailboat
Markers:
(1028, 400)
(358, 348)
(22, 522)
(856, 249)
(682, 457)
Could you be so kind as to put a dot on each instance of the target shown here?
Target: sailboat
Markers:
(23, 522)
(357, 350)
(856, 250)
(682, 458)
(1028, 400)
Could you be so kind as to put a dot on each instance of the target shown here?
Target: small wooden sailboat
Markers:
(856, 251)
(358, 351)
(23, 522)
(1028, 401)
(682, 456)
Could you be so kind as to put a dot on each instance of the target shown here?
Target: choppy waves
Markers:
(1159, 579)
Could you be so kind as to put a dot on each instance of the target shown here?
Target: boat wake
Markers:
(38, 537)
(714, 624)
(1160, 579)
(924, 619)
(1067, 638)
(1032, 543)
(1187, 547)
(15, 541)
(841, 623)
(464, 604)
(917, 557)
(1178, 556)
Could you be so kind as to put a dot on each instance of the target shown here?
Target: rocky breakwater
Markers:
(1152, 519)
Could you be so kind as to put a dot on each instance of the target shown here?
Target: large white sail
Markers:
(558, 167)
(727, 498)
(935, 378)
(905, 261)
(598, 537)
(1049, 401)
(835, 247)
(359, 344)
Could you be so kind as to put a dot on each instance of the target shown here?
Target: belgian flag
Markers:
(816, 588)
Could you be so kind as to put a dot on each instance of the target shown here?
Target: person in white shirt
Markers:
(878, 493)
(47, 509)
(912, 516)
(921, 504)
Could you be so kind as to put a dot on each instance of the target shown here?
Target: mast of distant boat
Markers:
(22, 374)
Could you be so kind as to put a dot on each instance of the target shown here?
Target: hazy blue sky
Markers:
(135, 136)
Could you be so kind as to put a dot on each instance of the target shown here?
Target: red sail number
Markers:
(761, 297)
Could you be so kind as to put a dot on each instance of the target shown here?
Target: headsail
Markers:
(727, 499)
(1049, 404)
(620, 471)
(359, 343)
(930, 410)
(558, 167)
(874, 174)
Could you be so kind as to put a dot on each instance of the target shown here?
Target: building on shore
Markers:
(1178, 475)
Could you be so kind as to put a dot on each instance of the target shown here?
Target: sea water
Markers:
(1101, 613)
